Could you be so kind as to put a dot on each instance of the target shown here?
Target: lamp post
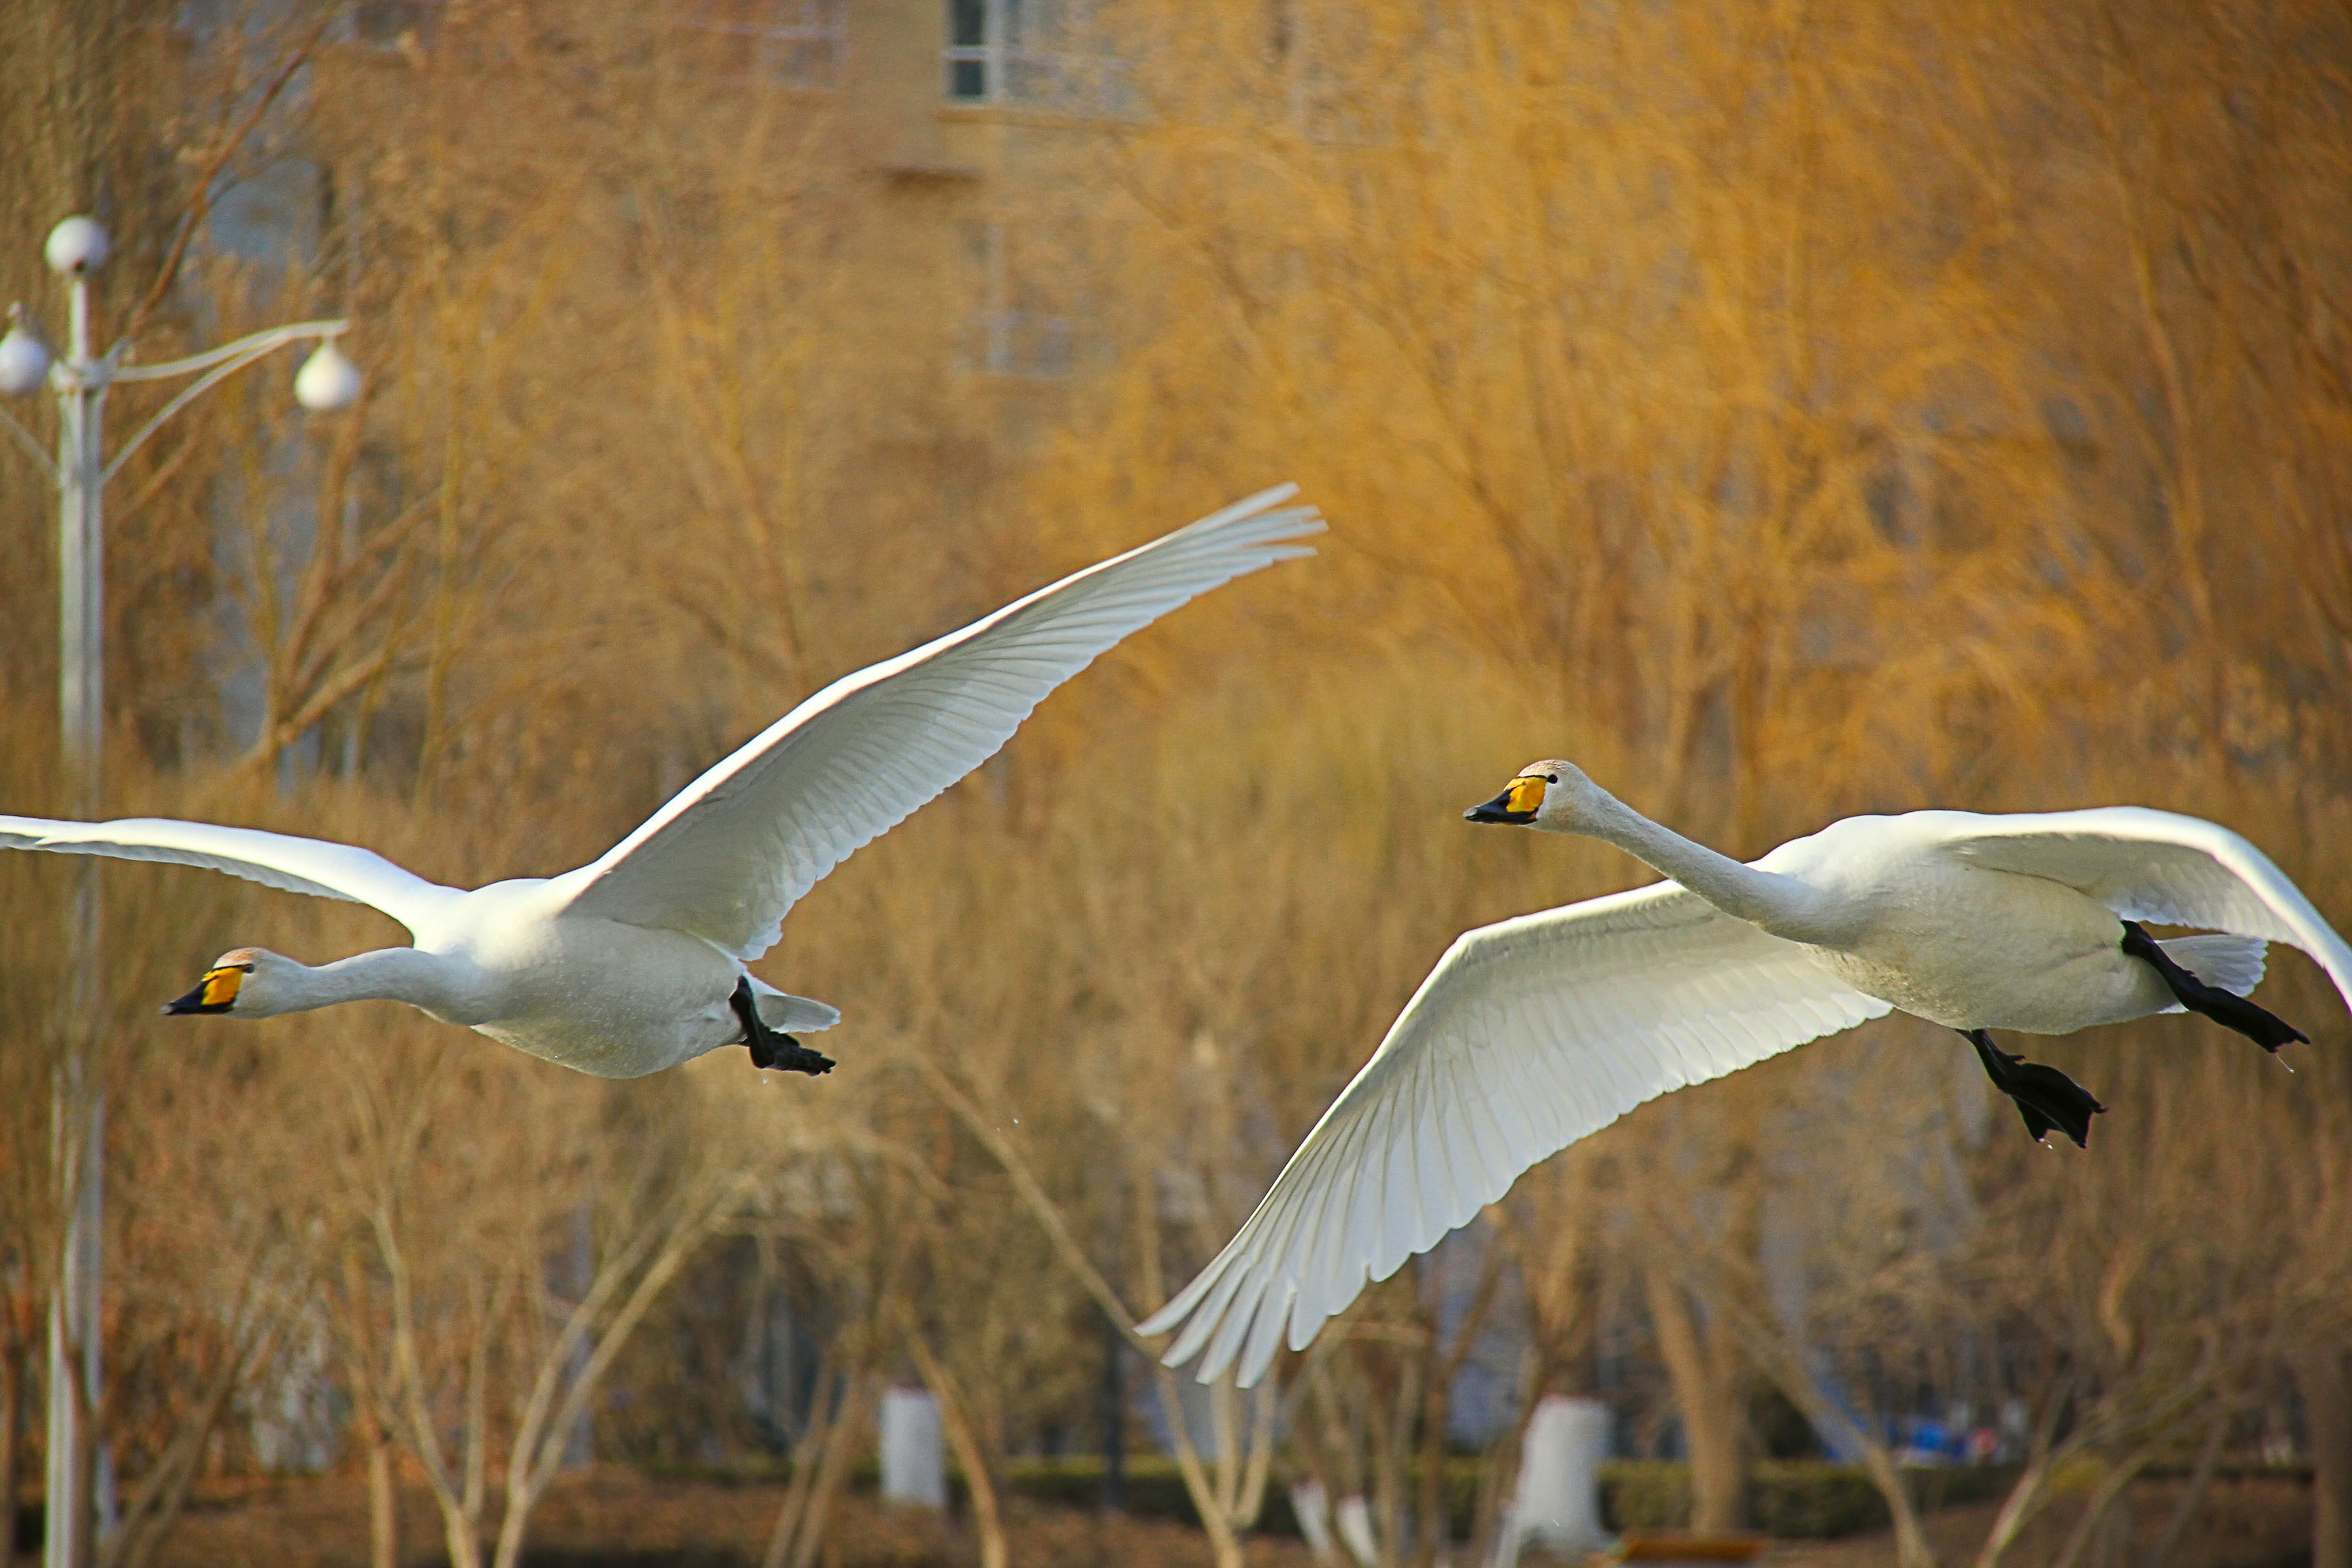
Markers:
(76, 248)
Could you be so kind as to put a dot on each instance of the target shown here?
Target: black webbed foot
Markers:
(772, 1047)
(2227, 1008)
(2046, 1097)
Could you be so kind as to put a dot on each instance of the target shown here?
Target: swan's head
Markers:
(1551, 795)
(250, 981)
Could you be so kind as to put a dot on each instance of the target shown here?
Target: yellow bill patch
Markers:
(1523, 795)
(218, 987)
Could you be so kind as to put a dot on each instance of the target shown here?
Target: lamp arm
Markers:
(221, 372)
(259, 342)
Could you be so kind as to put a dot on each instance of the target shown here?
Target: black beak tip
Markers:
(189, 1005)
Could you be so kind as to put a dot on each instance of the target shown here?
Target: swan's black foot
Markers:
(2045, 1097)
(2227, 1008)
(772, 1048)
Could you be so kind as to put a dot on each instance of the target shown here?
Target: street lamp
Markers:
(327, 381)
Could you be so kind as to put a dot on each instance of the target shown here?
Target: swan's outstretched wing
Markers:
(736, 848)
(273, 860)
(2156, 865)
(1527, 1036)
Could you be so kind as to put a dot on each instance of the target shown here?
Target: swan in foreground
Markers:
(635, 962)
(1538, 1031)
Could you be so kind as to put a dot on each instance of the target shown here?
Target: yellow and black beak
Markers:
(216, 993)
(1516, 804)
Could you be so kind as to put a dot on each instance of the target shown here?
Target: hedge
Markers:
(1811, 1499)
(1791, 1498)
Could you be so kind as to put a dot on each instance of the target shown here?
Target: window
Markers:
(1044, 54)
(1024, 320)
(970, 51)
(798, 43)
(1354, 76)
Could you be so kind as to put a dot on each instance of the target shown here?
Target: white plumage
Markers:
(627, 965)
(1538, 1031)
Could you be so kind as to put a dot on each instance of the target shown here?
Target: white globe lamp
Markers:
(326, 380)
(24, 357)
(76, 246)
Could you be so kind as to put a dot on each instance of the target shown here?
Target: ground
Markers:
(2259, 1521)
(612, 1518)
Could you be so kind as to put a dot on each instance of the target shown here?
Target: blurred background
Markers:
(1785, 411)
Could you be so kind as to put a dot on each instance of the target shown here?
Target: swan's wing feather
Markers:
(1528, 1036)
(279, 861)
(735, 850)
(2158, 866)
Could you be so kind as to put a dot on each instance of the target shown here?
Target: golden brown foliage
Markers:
(1784, 411)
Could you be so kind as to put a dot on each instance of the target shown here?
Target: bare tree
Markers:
(457, 1326)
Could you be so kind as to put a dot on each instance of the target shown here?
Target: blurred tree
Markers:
(1786, 413)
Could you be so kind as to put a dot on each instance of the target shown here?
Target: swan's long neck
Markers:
(386, 975)
(1782, 905)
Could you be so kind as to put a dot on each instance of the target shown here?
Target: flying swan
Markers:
(1535, 1032)
(635, 962)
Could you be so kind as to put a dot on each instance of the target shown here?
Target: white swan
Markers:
(635, 962)
(1535, 1032)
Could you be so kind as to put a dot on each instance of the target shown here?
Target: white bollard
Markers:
(1354, 1518)
(1312, 1507)
(914, 1459)
(1558, 1500)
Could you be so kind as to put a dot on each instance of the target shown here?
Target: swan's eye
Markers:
(1551, 778)
(1526, 794)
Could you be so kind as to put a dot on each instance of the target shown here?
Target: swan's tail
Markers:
(2235, 964)
(793, 1014)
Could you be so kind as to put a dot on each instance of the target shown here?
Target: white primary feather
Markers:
(292, 865)
(734, 850)
(1528, 1036)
